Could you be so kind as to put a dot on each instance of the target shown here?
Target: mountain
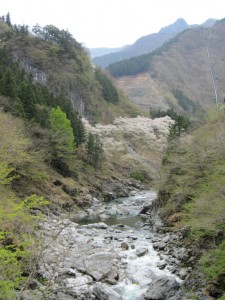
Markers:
(95, 52)
(147, 43)
(178, 74)
(55, 60)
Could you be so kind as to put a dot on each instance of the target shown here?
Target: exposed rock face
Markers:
(37, 74)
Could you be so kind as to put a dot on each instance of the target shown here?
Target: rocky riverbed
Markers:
(108, 252)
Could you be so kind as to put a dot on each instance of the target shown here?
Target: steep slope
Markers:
(178, 70)
(49, 164)
(56, 60)
(191, 197)
(147, 43)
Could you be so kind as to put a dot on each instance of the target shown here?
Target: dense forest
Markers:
(42, 138)
(138, 64)
(191, 196)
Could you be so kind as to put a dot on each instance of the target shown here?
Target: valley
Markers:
(111, 187)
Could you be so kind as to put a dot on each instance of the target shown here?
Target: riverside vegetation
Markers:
(51, 160)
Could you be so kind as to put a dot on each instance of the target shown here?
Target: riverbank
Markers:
(110, 251)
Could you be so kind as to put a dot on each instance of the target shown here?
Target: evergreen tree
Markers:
(8, 84)
(94, 150)
(78, 127)
(27, 97)
(8, 20)
(108, 90)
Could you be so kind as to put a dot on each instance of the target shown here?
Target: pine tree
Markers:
(8, 84)
(78, 128)
(94, 150)
(27, 97)
(8, 20)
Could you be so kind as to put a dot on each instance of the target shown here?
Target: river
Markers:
(109, 253)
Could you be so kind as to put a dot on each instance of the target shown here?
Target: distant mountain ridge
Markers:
(96, 52)
(148, 43)
(178, 75)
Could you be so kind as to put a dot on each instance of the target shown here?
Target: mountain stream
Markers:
(109, 252)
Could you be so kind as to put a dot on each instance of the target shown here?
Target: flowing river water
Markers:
(108, 253)
(141, 260)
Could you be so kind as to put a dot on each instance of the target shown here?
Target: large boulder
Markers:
(98, 265)
(160, 287)
(105, 292)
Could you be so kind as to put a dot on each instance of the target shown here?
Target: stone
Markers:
(159, 287)
(79, 286)
(183, 273)
(142, 276)
(159, 245)
(145, 209)
(77, 282)
(113, 276)
(161, 264)
(100, 225)
(141, 251)
(104, 292)
(166, 239)
(98, 265)
(124, 246)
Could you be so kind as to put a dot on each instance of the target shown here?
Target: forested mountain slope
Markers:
(191, 197)
(51, 162)
(179, 73)
(148, 43)
(54, 59)
(144, 44)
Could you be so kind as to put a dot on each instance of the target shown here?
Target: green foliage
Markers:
(138, 64)
(185, 102)
(131, 66)
(8, 20)
(17, 244)
(21, 30)
(78, 128)
(109, 91)
(181, 124)
(62, 135)
(8, 84)
(16, 226)
(94, 150)
(13, 143)
(16, 222)
(69, 73)
(52, 34)
(5, 172)
(215, 262)
(194, 171)
(11, 269)
(27, 97)
(138, 175)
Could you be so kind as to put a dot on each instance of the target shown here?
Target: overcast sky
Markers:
(110, 23)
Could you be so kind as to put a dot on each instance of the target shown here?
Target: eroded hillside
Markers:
(182, 65)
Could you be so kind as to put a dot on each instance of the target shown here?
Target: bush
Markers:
(138, 175)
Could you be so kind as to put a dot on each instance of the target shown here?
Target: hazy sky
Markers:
(110, 23)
